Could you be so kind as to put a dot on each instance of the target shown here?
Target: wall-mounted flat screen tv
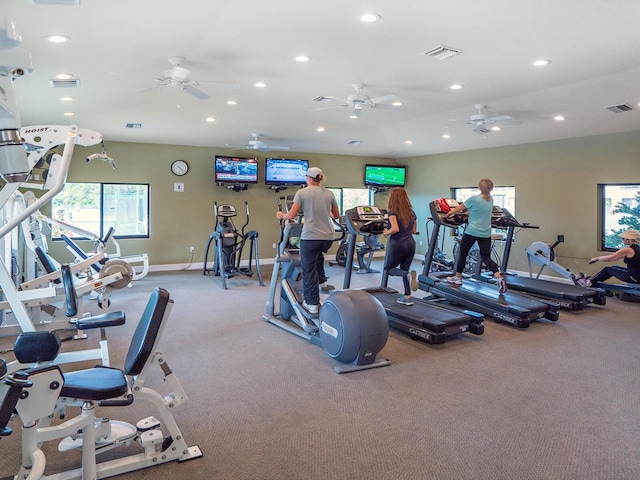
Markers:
(284, 171)
(385, 175)
(236, 169)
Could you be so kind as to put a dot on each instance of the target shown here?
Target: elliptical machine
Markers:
(351, 326)
(229, 244)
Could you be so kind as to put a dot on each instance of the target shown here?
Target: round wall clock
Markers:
(179, 167)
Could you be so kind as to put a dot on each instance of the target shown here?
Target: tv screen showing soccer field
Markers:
(384, 175)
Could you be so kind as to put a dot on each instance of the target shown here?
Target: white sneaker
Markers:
(312, 309)
(455, 280)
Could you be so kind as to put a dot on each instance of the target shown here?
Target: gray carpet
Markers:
(555, 401)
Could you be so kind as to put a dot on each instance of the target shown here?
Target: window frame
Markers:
(503, 200)
(605, 211)
(102, 227)
(340, 198)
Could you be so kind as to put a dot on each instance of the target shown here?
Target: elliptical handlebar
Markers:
(246, 209)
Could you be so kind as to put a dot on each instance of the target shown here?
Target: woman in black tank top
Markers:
(630, 254)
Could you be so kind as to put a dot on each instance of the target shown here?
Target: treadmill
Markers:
(569, 296)
(424, 320)
(512, 308)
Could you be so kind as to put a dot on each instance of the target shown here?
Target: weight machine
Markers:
(39, 393)
(229, 244)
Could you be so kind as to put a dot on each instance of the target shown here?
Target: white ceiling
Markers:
(118, 47)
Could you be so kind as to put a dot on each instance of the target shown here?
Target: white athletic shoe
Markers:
(312, 309)
(455, 280)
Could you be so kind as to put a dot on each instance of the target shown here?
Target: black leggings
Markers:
(484, 244)
(400, 253)
(621, 273)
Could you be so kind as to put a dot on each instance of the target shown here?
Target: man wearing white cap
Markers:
(630, 254)
(318, 204)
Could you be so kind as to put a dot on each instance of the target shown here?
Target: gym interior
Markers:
(556, 400)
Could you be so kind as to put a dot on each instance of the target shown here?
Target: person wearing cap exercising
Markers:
(318, 204)
(630, 254)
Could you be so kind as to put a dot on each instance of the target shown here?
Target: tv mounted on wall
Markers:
(236, 170)
(385, 175)
(284, 171)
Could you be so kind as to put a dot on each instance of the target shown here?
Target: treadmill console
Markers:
(366, 220)
(502, 218)
(441, 207)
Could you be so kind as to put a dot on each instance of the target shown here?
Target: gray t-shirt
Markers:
(316, 203)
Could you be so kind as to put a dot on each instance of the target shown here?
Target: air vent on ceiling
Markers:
(440, 52)
(355, 142)
(623, 107)
(133, 125)
(71, 82)
(323, 99)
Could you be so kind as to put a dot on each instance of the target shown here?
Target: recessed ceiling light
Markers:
(397, 104)
(64, 76)
(541, 62)
(456, 86)
(559, 118)
(408, 142)
(446, 136)
(211, 119)
(260, 84)
(69, 114)
(66, 99)
(57, 38)
(231, 102)
(370, 17)
(303, 58)
(496, 128)
(320, 129)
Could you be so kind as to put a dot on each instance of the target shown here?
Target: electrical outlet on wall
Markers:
(192, 249)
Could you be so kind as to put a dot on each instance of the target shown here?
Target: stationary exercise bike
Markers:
(351, 326)
(364, 250)
(229, 244)
(439, 261)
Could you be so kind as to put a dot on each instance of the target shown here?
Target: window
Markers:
(95, 207)
(348, 198)
(504, 197)
(619, 211)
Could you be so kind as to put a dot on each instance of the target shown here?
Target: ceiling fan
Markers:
(256, 144)
(483, 123)
(358, 101)
(180, 77)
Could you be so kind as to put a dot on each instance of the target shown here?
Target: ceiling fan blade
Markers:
(199, 94)
(504, 120)
(383, 99)
(387, 106)
(267, 148)
(328, 108)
